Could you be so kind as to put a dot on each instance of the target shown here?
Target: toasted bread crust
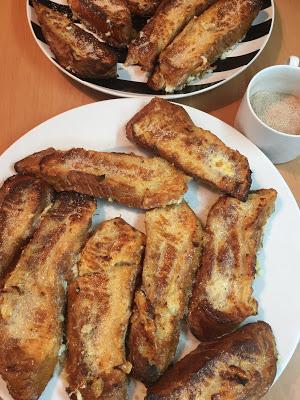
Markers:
(173, 248)
(22, 201)
(126, 178)
(32, 300)
(220, 27)
(143, 8)
(168, 130)
(99, 306)
(75, 49)
(170, 17)
(31, 165)
(241, 365)
(222, 295)
(110, 19)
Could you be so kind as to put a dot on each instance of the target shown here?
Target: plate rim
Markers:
(121, 93)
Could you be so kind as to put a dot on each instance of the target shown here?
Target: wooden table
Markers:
(33, 90)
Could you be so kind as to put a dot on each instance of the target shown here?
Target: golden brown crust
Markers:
(75, 49)
(110, 19)
(173, 249)
(31, 165)
(220, 27)
(32, 300)
(168, 130)
(169, 19)
(143, 8)
(115, 245)
(22, 201)
(241, 365)
(126, 178)
(222, 295)
(99, 306)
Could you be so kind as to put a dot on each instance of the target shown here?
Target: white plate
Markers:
(131, 81)
(100, 126)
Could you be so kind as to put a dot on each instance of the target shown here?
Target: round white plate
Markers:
(100, 126)
(131, 81)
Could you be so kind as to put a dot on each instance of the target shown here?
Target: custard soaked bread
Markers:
(161, 29)
(202, 42)
(22, 201)
(143, 8)
(239, 366)
(168, 130)
(173, 248)
(110, 19)
(125, 178)
(75, 49)
(31, 165)
(32, 301)
(99, 307)
(222, 295)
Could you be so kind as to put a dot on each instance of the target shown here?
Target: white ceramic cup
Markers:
(279, 147)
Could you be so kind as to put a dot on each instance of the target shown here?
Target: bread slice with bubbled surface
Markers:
(75, 49)
(168, 130)
(222, 295)
(173, 250)
(33, 298)
(241, 365)
(99, 307)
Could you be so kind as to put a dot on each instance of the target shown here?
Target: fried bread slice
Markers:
(32, 301)
(126, 178)
(241, 365)
(168, 130)
(110, 19)
(143, 8)
(169, 19)
(99, 307)
(219, 28)
(75, 49)
(31, 165)
(22, 201)
(222, 295)
(173, 249)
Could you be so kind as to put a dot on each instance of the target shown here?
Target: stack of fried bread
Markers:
(32, 300)
(203, 40)
(75, 49)
(181, 40)
(125, 295)
(169, 20)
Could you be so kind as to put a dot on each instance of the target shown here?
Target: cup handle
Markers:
(293, 61)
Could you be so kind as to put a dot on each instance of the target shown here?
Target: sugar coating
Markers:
(280, 111)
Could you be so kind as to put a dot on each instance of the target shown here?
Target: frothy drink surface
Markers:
(281, 111)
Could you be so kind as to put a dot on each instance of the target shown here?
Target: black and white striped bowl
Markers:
(131, 81)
